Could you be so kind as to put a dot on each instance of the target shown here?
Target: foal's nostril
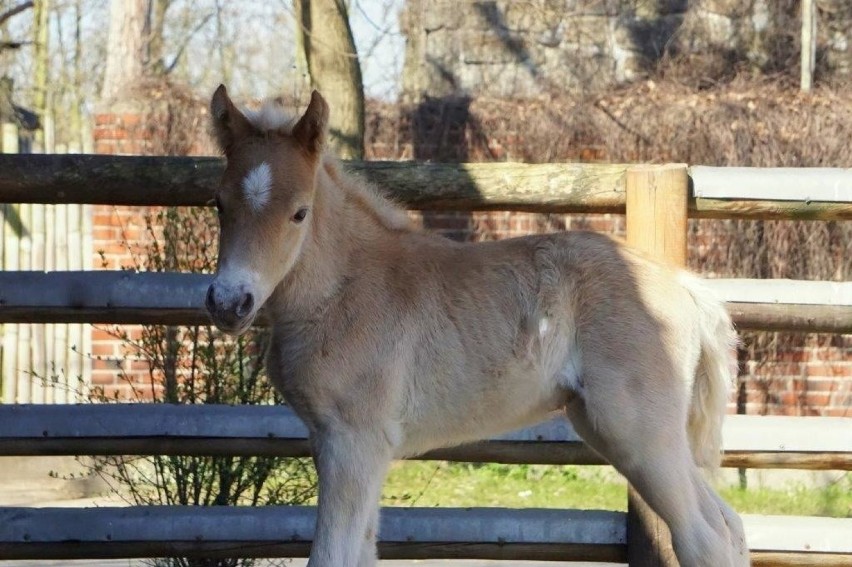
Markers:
(245, 305)
(209, 301)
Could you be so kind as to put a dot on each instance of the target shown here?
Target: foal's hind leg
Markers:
(642, 432)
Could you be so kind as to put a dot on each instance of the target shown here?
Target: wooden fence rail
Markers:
(806, 443)
(816, 443)
(151, 531)
(178, 299)
(286, 531)
(552, 188)
(405, 533)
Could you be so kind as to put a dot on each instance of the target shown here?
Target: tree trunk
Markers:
(332, 62)
(42, 62)
(156, 49)
(75, 119)
(126, 47)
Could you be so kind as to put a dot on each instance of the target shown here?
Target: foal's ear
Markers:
(311, 128)
(229, 124)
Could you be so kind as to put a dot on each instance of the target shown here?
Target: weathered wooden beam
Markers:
(799, 559)
(167, 429)
(544, 188)
(814, 443)
(657, 220)
(798, 534)
(103, 296)
(405, 533)
(768, 210)
(286, 531)
(794, 318)
(803, 184)
(185, 181)
(153, 298)
(108, 180)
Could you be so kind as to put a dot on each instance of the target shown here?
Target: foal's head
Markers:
(264, 203)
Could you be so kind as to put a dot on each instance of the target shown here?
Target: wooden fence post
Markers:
(9, 143)
(657, 197)
(808, 49)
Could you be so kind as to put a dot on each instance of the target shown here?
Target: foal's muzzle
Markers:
(232, 307)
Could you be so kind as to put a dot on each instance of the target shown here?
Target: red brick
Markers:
(817, 369)
(130, 119)
(107, 148)
(103, 348)
(102, 378)
(101, 334)
(110, 133)
(817, 399)
(101, 119)
(142, 367)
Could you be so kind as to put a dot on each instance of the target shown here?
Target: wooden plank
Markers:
(794, 292)
(39, 363)
(104, 297)
(770, 559)
(782, 433)
(11, 227)
(701, 208)
(9, 143)
(177, 299)
(788, 460)
(546, 188)
(805, 184)
(24, 347)
(798, 534)
(165, 429)
(796, 318)
(49, 266)
(286, 531)
(405, 533)
(177, 181)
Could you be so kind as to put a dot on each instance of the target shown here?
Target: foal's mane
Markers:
(271, 116)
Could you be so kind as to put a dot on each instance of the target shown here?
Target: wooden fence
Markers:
(807, 443)
(41, 363)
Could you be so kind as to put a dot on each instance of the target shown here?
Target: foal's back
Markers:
(494, 335)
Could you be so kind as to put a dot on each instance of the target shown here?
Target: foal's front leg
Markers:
(351, 466)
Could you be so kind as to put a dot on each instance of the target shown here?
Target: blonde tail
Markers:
(715, 376)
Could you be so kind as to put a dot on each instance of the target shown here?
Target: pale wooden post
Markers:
(8, 260)
(808, 52)
(9, 138)
(656, 211)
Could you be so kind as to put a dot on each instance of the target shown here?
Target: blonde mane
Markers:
(368, 199)
(272, 116)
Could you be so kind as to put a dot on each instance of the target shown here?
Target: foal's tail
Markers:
(714, 377)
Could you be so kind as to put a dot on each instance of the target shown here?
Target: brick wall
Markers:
(120, 239)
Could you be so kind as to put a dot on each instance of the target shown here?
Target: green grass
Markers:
(432, 483)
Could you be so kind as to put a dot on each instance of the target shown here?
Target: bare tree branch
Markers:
(11, 12)
(186, 41)
(13, 44)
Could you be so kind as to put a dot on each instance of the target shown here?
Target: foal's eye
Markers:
(300, 214)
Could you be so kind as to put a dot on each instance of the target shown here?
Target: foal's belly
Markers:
(477, 409)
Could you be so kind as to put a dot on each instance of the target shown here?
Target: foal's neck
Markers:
(348, 220)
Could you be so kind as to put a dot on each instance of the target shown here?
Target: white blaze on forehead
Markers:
(257, 186)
